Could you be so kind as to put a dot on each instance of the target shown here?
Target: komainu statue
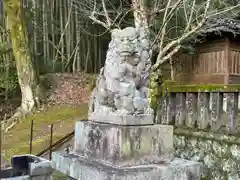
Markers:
(122, 85)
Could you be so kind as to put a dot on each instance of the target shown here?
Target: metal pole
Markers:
(31, 138)
(51, 141)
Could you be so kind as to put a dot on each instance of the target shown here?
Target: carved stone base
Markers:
(143, 119)
(124, 145)
(79, 167)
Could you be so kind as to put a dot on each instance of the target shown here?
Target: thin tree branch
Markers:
(164, 25)
(191, 16)
(106, 13)
(161, 59)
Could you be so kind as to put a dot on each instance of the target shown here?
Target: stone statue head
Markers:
(126, 40)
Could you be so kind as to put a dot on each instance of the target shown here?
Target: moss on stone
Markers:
(171, 86)
(155, 89)
(219, 158)
(126, 147)
(228, 139)
(146, 144)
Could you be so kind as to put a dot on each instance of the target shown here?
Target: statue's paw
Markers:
(149, 111)
(123, 112)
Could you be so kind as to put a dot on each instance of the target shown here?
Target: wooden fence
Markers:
(200, 109)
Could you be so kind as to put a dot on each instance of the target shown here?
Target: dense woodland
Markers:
(60, 41)
(52, 36)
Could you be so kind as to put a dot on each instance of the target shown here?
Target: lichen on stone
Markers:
(220, 159)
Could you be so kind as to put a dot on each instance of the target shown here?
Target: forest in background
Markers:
(71, 36)
(60, 39)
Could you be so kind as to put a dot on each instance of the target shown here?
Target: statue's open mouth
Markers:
(126, 53)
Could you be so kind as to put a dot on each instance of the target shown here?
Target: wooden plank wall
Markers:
(209, 65)
(234, 62)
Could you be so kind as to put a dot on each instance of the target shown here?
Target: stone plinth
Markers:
(142, 119)
(28, 167)
(123, 146)
(78, 167)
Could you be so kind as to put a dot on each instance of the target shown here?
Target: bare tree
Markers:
(169, 24)
(194, 15)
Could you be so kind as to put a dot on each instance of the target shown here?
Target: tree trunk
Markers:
(27, 76)
(141, 20)
(140, 15)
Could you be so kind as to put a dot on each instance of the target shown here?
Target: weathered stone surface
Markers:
(220, 160)
(82, 168)
(141, 119)
(17, 178)
(43, 177)
(232, 112)
(180, 109)
(124, 145)
(171, 108)
(122, 85)
(216, 108)
(203, 110)
(162, 113)
(42, 167)
(26, 167)
(225, 102)
(191, 108)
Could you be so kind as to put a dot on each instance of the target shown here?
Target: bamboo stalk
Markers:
(52, 8)
(44, 23)
(68, 12)
(78, 34)
(62, 32)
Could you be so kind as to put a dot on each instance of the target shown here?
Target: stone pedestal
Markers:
(117, 152)
(123, 146)
(79, 167)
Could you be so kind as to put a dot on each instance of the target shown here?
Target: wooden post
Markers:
(171, 108)
(31, 138)
(203, 110)
(232, 110)
(216, 109)
(51, 141)
(158, 113)
(163, 109)
(191, 108)
(180, 109)
(167, 111)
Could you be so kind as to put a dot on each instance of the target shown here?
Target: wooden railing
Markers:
(200, 107)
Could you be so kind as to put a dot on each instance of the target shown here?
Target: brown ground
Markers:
(66, 88)
(69, 90)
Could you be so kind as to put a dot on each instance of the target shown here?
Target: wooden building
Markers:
(216, 59)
